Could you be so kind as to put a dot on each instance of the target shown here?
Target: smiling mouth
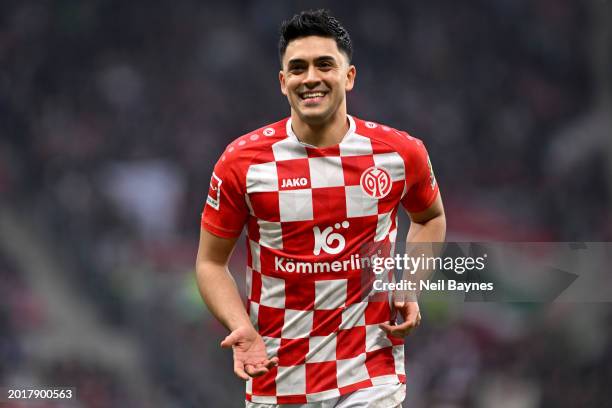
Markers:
(312, 95)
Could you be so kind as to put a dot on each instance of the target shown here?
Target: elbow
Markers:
(201, 267)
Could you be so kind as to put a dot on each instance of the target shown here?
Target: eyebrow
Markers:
(296, 61)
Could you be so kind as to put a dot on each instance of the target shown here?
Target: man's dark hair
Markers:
(314, 22)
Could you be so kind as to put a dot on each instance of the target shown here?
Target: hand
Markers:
(411, 314)
(250, 358)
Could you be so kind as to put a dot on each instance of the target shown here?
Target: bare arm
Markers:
(426, 226)
(216, 284)
(220, 293)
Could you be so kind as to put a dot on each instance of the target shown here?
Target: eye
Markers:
(296, 70)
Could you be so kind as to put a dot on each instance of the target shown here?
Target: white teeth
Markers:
(312, 95)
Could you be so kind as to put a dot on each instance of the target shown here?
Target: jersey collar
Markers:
(291, 134)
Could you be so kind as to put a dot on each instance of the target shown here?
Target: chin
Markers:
(314, 118)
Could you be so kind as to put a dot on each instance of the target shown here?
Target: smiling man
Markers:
(318, 192)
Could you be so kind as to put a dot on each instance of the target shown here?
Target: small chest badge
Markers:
(376, 182)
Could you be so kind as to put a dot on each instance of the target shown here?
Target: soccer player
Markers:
(314, 190)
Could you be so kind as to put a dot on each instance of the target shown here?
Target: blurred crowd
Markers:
(112, 115)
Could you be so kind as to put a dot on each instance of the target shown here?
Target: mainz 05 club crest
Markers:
(376, 182)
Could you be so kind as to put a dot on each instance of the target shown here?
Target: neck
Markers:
(329, 133)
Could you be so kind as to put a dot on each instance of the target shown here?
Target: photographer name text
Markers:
(439, 285)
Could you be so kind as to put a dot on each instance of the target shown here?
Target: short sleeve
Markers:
(422, 188)
(225, 211)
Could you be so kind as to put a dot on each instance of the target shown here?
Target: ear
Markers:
(351, 73)
(281, 80)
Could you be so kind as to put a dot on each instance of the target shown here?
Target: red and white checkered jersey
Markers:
(314, 216)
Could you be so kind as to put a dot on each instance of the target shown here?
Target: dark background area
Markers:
(112, 115)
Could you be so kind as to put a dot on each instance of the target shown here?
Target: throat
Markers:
(322, 135)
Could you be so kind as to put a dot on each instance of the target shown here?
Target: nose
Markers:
(312, 77)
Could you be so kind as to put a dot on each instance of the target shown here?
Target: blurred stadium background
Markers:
(113, 113)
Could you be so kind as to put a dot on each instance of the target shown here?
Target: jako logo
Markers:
(376, 182)
(332, 243)
(294, 182)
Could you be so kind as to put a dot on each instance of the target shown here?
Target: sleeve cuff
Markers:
(427, 204)
(220, 231)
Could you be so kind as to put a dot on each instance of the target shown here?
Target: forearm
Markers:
(421, 241)
(221, 295)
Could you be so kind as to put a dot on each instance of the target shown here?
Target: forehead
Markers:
(310, 48)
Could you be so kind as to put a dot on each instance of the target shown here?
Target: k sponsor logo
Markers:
(329, 241)
(376, 182)
(214, 192)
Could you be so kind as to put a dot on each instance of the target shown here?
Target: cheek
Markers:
(336, 82)
(292, 86)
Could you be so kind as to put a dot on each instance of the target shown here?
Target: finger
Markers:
(230, 340)
(387, 328)
(255, 371)
(385, 325)
(399, 330)
(398, 333)
(239, 371)
(273, 362)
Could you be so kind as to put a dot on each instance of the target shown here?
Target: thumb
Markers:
(230, 340)
(386, 327)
